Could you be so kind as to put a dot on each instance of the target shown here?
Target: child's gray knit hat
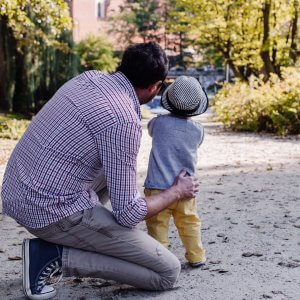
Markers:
(185, 97)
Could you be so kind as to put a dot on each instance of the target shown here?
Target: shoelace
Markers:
(47, 274)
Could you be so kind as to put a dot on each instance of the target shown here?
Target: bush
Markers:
(11, 128)
(273, 106)
(96, 53)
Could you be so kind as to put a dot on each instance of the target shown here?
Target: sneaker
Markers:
(41, 261)
(198, 264)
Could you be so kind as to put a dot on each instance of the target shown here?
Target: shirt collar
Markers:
(123, 80)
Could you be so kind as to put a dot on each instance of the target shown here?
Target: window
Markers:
(100, 9)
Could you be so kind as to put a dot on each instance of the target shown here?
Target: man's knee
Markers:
(171, 273)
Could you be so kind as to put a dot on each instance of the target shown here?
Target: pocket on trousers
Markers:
(76, 218)
(100, 219)
(71, 221)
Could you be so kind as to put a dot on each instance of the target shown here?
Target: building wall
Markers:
(86, 20)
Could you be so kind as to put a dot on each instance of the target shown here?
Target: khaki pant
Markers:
(187, 222)
(97, 246)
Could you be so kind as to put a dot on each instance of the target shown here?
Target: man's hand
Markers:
(186, 185)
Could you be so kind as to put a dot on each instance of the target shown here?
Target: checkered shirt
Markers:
(90, 127)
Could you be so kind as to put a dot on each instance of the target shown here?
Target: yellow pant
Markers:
(187, 222)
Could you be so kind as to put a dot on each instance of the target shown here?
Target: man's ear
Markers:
(154, 86)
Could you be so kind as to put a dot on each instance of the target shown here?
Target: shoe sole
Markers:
(26, 281)
(199, 264)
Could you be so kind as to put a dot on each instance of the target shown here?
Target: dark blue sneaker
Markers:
(41, 260)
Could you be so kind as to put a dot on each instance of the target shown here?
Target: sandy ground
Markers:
(250, 210)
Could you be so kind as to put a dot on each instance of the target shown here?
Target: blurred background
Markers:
(244, 53)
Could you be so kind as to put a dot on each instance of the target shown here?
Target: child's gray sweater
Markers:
(175, 141)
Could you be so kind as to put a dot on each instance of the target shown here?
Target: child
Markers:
(175, 140)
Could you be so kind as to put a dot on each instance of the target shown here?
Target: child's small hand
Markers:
(186, 185)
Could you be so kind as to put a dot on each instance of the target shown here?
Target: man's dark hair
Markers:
(144, 64)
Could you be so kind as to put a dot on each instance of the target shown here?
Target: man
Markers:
(81, 146)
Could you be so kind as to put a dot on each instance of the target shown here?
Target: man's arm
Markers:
(184, 187)
(118, 149)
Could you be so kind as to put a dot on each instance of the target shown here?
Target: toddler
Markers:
(175, 140)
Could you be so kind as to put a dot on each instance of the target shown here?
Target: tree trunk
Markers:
(26, 80)
(265, 51)
(7, 66)
(181, 56)
(238, 73)
(293, 50)
(3, 81)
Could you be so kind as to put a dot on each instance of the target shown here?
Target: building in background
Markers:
(90, 17)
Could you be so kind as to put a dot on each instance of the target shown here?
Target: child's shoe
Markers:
(198, 263)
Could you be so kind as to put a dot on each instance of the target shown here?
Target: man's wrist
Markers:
(156, 203)
(176, 192)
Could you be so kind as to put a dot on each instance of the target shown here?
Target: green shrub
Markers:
(273, 106)
(96, 53)
(13, 129)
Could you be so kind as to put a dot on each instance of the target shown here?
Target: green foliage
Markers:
(36, 21)
(176, 37)
(35, 52)
(6, 117)
(124, 28)
(255, 36)
(273, 106)
(145, 16)
(137, 19)
(12, 129)
(96, 53)
(210, 56)
(141, 20)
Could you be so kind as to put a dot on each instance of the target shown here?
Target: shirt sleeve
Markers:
(118, 149)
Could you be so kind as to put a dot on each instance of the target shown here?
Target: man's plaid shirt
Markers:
(90, 126)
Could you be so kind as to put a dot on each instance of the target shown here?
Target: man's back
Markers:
(52, 168)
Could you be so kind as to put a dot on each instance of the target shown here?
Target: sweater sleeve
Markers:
(150, 126)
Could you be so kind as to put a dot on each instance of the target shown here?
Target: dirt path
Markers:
(250, 210)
